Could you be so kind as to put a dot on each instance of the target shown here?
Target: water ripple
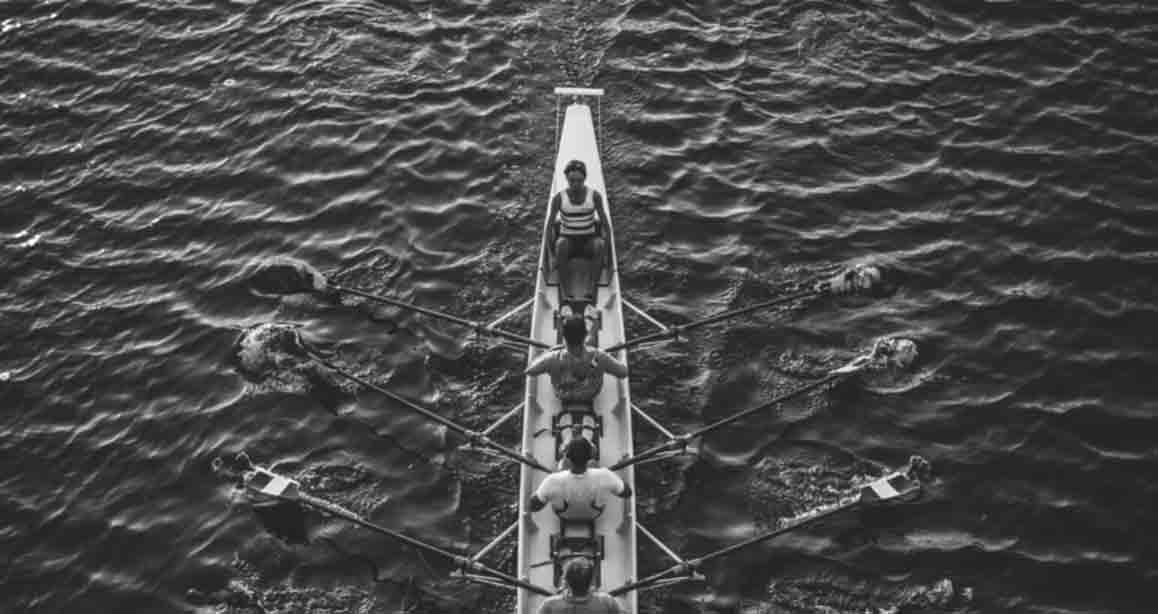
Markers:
(998, 157)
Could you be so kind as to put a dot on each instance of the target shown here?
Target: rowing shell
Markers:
(545, 542)
(547, 424)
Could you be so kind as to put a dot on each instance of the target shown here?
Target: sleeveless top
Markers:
(578, 219)
(575, 378)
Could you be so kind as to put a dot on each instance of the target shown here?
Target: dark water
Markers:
(1002, 156)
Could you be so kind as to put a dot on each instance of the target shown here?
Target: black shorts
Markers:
(582, 246)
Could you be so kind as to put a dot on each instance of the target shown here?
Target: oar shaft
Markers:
(722, 422)
(675, 442)
(401, 400)
(441, 315)
(341, 512)
(791, 526)
(749, 309)
(470, 435)
(345, 514)
(648, 454)
(404, 305)
(670, 333)
(687, 568)
(674, 331)
(648, 581)
(695, 563)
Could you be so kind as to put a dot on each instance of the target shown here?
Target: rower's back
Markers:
(593, 603)
(577, 370)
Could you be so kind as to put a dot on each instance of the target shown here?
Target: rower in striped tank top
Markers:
(579, 212)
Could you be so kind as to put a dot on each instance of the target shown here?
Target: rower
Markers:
(577, 368)
(580, 215)
(578, 597)
(576, 493)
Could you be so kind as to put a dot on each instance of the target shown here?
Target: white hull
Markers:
(616, 525)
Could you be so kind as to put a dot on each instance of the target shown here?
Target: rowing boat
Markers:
(545, 541)
(547, 425)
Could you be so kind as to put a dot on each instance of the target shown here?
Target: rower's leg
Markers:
(599, 247)
(591, 314)
(563, 248)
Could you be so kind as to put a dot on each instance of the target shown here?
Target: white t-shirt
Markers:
(579, 495)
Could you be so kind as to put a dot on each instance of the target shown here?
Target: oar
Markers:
(682, 441)
(863, 279)
(474, 437)
(675, 331)
(856, 365)
(265, 483)
(477, 327)
(894, 487)
(287, 277)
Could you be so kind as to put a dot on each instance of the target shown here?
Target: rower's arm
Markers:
(536, 503)
(541, 364)
(611, 365)
(543, 493)
(597, 200)
(615, 484)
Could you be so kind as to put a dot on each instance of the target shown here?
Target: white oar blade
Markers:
(277, 487)
(267, 483)
(890, 488)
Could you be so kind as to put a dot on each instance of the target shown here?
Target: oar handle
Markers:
(687, 570)
(671, 444)
(477, 327)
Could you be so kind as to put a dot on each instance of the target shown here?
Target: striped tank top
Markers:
(577, 219)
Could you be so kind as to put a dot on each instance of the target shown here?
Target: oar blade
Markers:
(897, 486)
(264, 485)
(275, 500)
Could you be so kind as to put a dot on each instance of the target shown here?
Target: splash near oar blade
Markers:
(862, 279)
(285, 276)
